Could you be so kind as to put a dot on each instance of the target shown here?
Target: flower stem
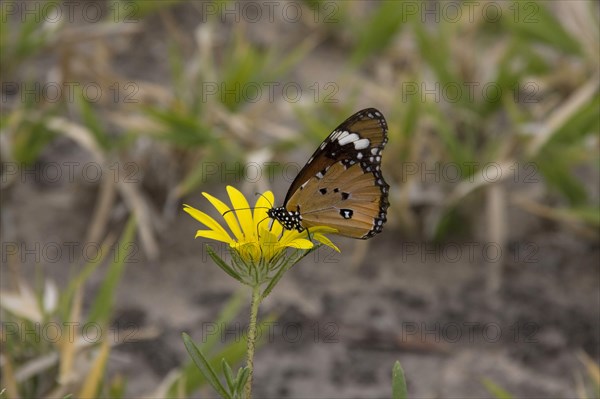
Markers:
(256, 298)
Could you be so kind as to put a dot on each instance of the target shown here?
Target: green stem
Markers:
(256, 298)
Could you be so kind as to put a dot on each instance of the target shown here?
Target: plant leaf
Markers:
(204, 366)
(228, 375)
(223, 265)
(398, 382)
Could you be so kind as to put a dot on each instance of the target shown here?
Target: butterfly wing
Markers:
(341, 185)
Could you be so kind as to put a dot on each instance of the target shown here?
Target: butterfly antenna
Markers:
(262, 195)
(258, 224)
(242, 209)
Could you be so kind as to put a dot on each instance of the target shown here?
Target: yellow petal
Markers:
(323, 230)
(214, 235)
(276, 228)
(250, 251)
(300, 243)
(205, 220)
(242, 210)
(227, 215)
(263, 203)
(324, 240)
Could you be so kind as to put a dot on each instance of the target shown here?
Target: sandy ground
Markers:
(342, 319)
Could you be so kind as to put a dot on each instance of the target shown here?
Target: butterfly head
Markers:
(289, 220)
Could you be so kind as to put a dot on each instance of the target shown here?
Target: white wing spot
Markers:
(345, 139)
(359, 155)
(323, 144)
(374, 150)
(361, 144)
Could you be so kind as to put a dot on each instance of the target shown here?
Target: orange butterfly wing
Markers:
(341, 185)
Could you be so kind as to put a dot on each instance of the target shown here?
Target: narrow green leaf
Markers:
(496, 390)
(379, 30)
(204, 366)
(221, 263)
(534, 21)
(242, 378)
(398, 382)
(191, 378)
(228, 375)
(91, 121)
(103, 304)
(81, 278)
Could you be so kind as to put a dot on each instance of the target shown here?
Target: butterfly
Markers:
(341, 185)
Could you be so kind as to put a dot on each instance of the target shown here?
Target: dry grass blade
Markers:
(552, 213)
(563, 113)
(78, 133)
(104, 205)
(9, 381)
(479, 180)
(92, 382)
(139, 206)
(67, 345)
(496, 223)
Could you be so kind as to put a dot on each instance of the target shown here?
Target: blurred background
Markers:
(484, 283)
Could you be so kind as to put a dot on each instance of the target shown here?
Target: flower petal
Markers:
(249, 251)
(300, 243)
(206, 220)
(214, 235)
(326, 241)
(228, 215)
(242, 210)
(276, 228)
(263, 203)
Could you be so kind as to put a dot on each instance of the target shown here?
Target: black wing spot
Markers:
(345, 196)
(323, 190)
(336, 190)
(346, 213)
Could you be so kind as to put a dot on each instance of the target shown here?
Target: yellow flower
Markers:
(251, 236)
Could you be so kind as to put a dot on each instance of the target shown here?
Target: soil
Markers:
(342, 320)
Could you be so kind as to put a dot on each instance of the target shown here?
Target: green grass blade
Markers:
(399, 390)
(103, 304)
(496, 391)
(379, 30)
(204, 366)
